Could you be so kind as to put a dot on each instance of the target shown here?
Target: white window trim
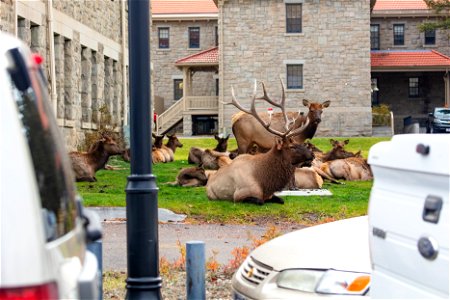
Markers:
(294, 1)
(287, 62)
(177, 77)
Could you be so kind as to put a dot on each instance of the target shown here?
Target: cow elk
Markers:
(255, 178)
(195, 153)
(249, 131)
(86, 164)
(192, 177)
(170, 147)
(350, 169)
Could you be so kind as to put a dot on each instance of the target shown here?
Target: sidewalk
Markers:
(219, 239)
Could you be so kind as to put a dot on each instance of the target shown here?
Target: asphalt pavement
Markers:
(220, 239)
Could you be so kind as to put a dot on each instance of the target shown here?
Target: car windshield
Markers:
(442, 113)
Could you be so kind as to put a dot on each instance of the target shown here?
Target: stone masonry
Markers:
(333, 49)
(88, 57)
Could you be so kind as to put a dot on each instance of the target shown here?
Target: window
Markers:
(375, 37)
(52, 167)
(294, 76)
(399, 34)
(293, 17)
(163, 36)
(194, 37)
(177, 89)
(413, 87)
(430, 37)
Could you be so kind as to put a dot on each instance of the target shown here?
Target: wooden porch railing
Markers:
(174, 114)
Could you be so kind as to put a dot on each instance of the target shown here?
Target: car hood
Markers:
(340, 245)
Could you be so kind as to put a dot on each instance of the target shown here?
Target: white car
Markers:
(330, 260)
(44, 229)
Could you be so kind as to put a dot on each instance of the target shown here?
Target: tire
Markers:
(428, 130)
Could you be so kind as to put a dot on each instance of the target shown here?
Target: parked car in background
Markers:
(329, 260)
(439, 120)
(44, 228)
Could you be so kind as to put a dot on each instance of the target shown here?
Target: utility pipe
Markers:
(51, 62)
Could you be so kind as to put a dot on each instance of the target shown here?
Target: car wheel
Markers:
(428, 130)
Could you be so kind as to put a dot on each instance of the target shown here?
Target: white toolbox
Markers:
(409, 217)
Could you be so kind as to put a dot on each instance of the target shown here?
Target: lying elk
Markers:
(248, 131)
(351, 169)
(255, 178)
(85, 164)
(170, 147)
(158, 155)
(338, 151)
(192, 177)
(195, 153)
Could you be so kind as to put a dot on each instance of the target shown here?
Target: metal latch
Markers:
(432, 209)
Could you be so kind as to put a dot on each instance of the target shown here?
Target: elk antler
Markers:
(265, 124)
(280, 105)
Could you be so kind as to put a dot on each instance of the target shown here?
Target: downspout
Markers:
(447, 88)
(124, 68)
(51, 62)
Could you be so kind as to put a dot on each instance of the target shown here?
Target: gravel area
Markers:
(174, 286)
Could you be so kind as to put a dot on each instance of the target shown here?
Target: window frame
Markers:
(414, 87)
(399, 39)
(290, 76)
(191, 31)
(177, 91)
(375, 39)
(162, 39)
(293, 27)
(429, 40)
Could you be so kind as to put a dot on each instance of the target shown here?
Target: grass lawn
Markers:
(349, 199)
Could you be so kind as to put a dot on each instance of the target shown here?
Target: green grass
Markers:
(349, 199)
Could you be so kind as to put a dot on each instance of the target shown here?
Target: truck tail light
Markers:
(37, 292)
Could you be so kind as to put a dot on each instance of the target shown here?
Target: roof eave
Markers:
(182, 64)
(410, 68)
(404, 13)
(184, 17)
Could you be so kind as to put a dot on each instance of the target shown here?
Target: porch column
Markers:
(447, 89)
(185, 85)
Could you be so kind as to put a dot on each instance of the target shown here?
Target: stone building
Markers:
(319, 49)
(410, 68)
(85, 58)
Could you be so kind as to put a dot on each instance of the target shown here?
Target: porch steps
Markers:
(169, 118)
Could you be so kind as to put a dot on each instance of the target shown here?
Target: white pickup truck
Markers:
(409, 217)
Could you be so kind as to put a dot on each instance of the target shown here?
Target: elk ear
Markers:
(332, 142)
(228, 136)
(216, 136)
(346, 141)
(305, 102)
(326, 104)
(153, 135)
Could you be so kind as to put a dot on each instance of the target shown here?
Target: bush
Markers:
(381, 115)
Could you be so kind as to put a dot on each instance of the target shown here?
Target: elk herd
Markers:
(274, 152)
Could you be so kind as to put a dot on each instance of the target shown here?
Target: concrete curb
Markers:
(111, 213)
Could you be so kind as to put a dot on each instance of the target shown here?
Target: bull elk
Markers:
(249, 131)
(255, 178)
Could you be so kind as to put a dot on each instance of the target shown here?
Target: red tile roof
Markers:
(412, 58)
(183, 7)
(206, 57)
(400, 5)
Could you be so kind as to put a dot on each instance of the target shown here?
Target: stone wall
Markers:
(333, 49)
(414, 39)
(164, 69)
(88, 56)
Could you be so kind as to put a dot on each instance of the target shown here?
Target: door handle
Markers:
(432, 209)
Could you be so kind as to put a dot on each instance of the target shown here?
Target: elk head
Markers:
(222, 143)
(315, 110)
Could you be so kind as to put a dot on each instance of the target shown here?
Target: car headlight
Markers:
(325, 282)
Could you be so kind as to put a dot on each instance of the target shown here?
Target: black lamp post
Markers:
(143, 280)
